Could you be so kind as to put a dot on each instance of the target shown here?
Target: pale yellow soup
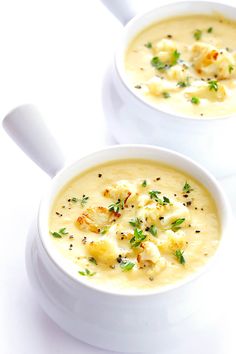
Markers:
(134, 225)
(186, 64)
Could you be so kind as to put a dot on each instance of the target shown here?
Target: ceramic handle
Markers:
(26, 127)
(121, 9)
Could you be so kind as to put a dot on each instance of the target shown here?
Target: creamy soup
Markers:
(134, 224)
(187, 63)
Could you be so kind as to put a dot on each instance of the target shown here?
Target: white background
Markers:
(53, 53)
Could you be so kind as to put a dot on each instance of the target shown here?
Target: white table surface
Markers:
(53, 54)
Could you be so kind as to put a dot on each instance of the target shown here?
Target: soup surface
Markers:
(134, 224)
(187, 63)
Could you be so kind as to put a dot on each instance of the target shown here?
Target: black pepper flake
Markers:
(197, 231)
(201, 114)
(71, 236)
(158, 178)
(69, 200)
(151, 278)
(202, 209)
(147, 228)
(189, 225)
(175, 195)
(185, 195)
(84, 240)
(138, 87)
(189, 203)
(169, 36)
(71, 245)
(119, 258)
(63, 206)
(195, 208)
(59, 214)
(161, 217)
(99, 175)
(184, 204)
(132, 206)
(122, 238)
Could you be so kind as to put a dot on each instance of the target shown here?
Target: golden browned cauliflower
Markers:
(94, 219)
(105, 251)
(201, 89)
(164, 49)
(211, 61)
(123, 190)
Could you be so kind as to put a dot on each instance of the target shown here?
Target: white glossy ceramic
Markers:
(210, 142)
(106, 319)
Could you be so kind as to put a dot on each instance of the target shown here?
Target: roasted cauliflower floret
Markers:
(201, 89)
(172, 241)
(104, 251)
(156, 213)
(150, 256)
(94, 219)
(149, 253)
(211, 61)
(164, 49)
(150, 213)
(157, 86)
(176, 240)
(122, 190)
(174, 212)
(177, 73)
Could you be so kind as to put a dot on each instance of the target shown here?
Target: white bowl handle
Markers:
(26, 127)
(121, 9)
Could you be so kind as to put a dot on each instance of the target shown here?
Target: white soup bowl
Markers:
(134, 322)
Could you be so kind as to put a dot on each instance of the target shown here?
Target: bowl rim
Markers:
(120, 50)
(223, 209)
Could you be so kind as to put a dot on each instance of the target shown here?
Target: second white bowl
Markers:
(210, 141)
